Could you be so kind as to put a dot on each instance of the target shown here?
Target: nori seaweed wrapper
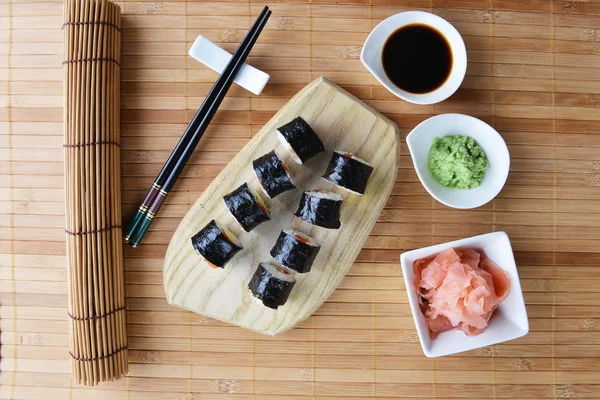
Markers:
(214, 246)
(245, 208)
(319, 211)
(302, 138)
(348, 173)
(272, 291)
(272, 175)
(293, 253)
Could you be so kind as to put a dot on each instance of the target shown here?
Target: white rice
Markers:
(230, 235)
(279, 273)
(360, 160)
(288, 148)
(342, 187)
(310, 241)
(264, 190)
(288, 172)
(235, 219)
(256, 299)
(260, 201)
(325, 195)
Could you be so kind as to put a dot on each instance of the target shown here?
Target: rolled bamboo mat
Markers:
(533, 73)
(92, 51)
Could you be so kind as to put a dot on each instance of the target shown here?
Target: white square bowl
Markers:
(510, 318)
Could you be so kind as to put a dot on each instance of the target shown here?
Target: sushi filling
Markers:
(300, 140)
(295, 250)
(352, 156)
(288, 173)
(231, 237)
(288, 148)
(261, 203)
(246, 207)
(301, 237)
(280, 273)
(273, 174)
(320, 208)
(348, 172)
(216, 245)
(271, 285)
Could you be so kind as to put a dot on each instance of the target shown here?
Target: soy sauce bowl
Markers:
(371, 55)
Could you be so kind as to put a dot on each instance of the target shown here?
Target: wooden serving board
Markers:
(344, 123)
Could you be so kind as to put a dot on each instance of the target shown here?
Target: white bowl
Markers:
(510, 318)
(373, 48)
(419, 141)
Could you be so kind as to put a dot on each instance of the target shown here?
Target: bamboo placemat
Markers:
(534, 74)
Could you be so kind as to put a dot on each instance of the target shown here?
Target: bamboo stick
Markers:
(92, 187)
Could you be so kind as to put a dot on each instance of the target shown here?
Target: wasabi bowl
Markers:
(422, 137)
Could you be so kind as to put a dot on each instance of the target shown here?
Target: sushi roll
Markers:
(271, 285)
(295, 250)
(272, 173)
(300, 140)
(320, 208)
(216, 245)
(246, 207)
(348, 172)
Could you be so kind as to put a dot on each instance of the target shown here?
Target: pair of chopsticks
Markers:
(183, 150)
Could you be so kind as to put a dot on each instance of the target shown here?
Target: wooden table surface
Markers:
(533, 73)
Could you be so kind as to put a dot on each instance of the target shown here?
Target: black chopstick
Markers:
(184, 149)
(158, 184)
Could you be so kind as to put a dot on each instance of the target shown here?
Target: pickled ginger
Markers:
(459, 289)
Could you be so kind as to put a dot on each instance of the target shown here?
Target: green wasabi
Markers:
(457, 162)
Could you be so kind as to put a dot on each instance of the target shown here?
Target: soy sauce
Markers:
(417, 58)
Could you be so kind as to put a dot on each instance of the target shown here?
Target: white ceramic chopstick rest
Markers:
(215, 58)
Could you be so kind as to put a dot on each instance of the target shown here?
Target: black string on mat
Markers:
(80, 233)
(70, 23)
(91, 60)
(112, 353)
(96, 317)
(92, 144)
